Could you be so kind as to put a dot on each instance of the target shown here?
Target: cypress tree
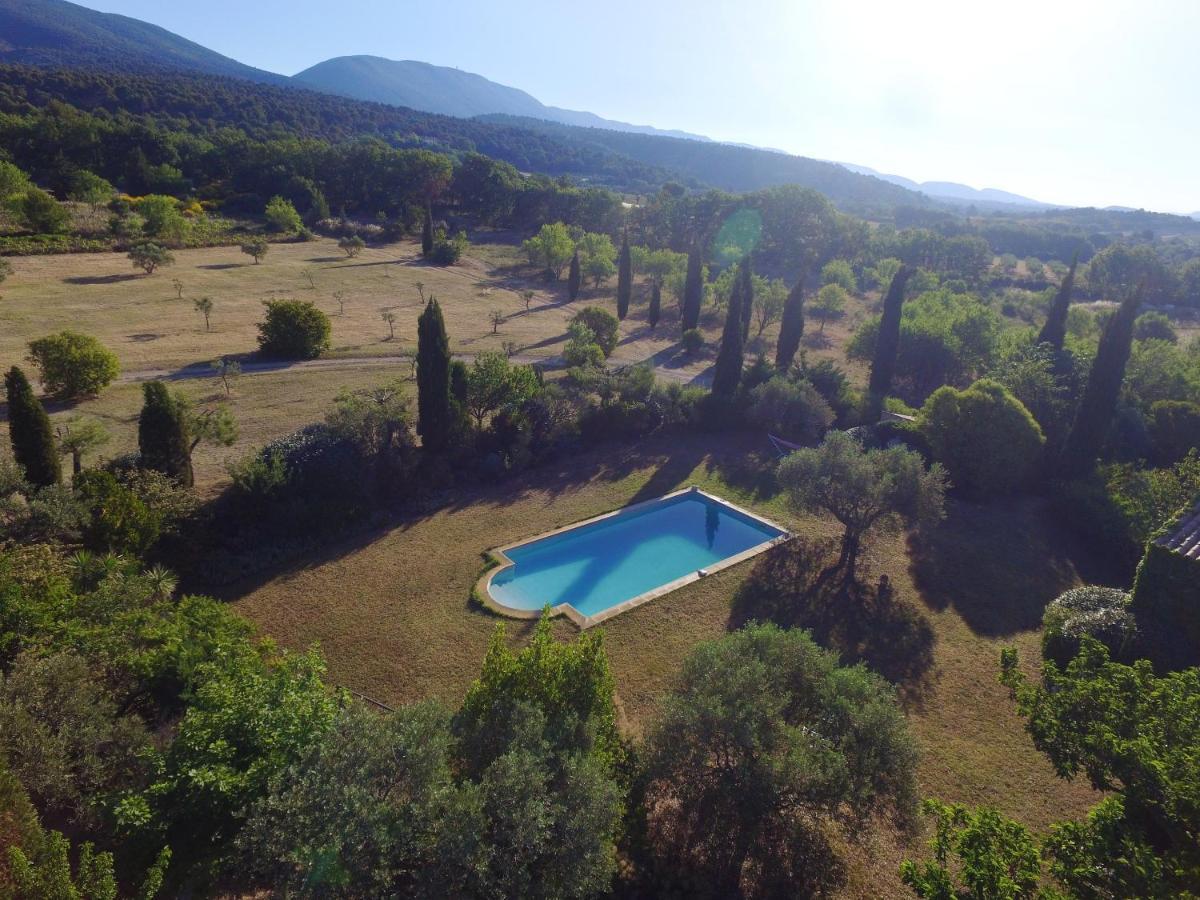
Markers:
(693, 291)
(30, 432)
(655, 311)
(427, 232)
(1054, 332)
(624, 279)
(727, 372)
(574, 277)
(1099, 401)
(887, 345)
(791, 328)
(746, 276)
(433, 378)
(163, 434)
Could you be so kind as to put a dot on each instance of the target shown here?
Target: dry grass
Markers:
(393, 614)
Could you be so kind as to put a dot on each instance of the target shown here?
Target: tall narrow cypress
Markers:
(427, 232)
(791, 328)
(655, 311)
(574, 277)
(30, 433)
(1099, 401)
(1054, 332)
(433, 378)
(693, 291)
(624, 278)
(163, 440)
(727, 372)
(887, 345)
(746, 276)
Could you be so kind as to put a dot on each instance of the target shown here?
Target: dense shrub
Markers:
(603, 325)
(987, 440)
(793, 410)
(1175, 429)
(1099, 612)
(293, 329)
(73, 365)
(692, 341)
(448, 250)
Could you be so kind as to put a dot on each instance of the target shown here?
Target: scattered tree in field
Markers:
(352, 245)
(6, 269)
(829, 303)
(984, 436)
(178, 285)
(765, 744)
(339, 297)
(574, 277)
(603, 325)
(390, 318)
(838, 271)
(293, 329)
(29, 431)
(496, 317)
(551, 248)
(1054, 331)
(655, 311)
(791, 328)
(281, 216)
(769, 301)
(149, 256)
(494, 383)
(228, 370)
(510, 348)
(1103, 388)
(624, 278)
(73, 365)
(727, 371)
(864, 490)
(163, 439)
(433, 378)
(597, 257)
(204, 306)
(693, 291)
(78, 436)
(42, 213)
(420, 286)
(308, 276)
(427, 232)
(257, 247)
(887, 344)
(527, 296)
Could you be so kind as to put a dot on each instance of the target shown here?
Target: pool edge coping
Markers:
(499, 555)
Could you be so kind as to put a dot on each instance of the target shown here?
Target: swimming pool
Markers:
(594, 569)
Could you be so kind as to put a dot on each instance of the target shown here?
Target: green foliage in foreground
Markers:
(29, 431)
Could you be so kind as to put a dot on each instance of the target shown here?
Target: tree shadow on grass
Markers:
(99, 279)
(799, 585)
(998, 565)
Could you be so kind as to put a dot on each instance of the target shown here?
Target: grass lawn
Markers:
(393, 614)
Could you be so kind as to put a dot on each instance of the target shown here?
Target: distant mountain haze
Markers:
(953, 192)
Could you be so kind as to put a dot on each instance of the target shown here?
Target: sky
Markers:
(1082, 103)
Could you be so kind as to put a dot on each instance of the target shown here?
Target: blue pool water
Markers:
(601, 565)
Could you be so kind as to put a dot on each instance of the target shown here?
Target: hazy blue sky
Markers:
(1090, 103)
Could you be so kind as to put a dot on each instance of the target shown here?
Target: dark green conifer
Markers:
(163, 439)
(427, 232)
(574, 277)
(693, 291)
(887, 345)
(30, 433)
(433, 378)
(791, 328)
(624, 279)
(655, 311)
(727, 372)
(1054, 332)
(1095, 412)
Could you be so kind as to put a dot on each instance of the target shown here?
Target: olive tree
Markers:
(149, 256)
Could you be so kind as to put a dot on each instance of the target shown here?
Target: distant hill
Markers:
(57, 33)
(451, 92)
(958, 194)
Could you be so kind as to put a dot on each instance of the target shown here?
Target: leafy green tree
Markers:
(791, 328)
(352, 245)
(769, 300)
(73, 365)
(829, 303)
(377, 420)
(1095, 412)
(1054, 332)
(256, 247)
(433, 378)
(624, 278)
(149, 256)
(164, 441)
(29, 431)
(77, 437)
(865, 490)
(1154, 326)
(389, 319)
(1121, 270)
(597, 257)
(727, 371)
(693, 291)
(42, 213)
(551, 248)
(13, 184)
(654, 312)
(494, 383)
(603, 325)
(1174, 428)
(977, 855)
(228, 370)
(574, 277)
(838, 271)
(281, 216)
(45, 871)
(582, 350)
(765, 743)
(121, 521)
(88, 187)
(1133, 735)
(1101, 613)
(162, 218)
(1189, 283)
(986, 439)
(792, 409)
(747, 298)
(293, 329)
(204, 306)
(427, 232)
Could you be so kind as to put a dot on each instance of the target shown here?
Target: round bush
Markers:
(73, 365)
(603, 325)
(293, 329)
(1098, 612)
(795, 411)
(692, 341)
